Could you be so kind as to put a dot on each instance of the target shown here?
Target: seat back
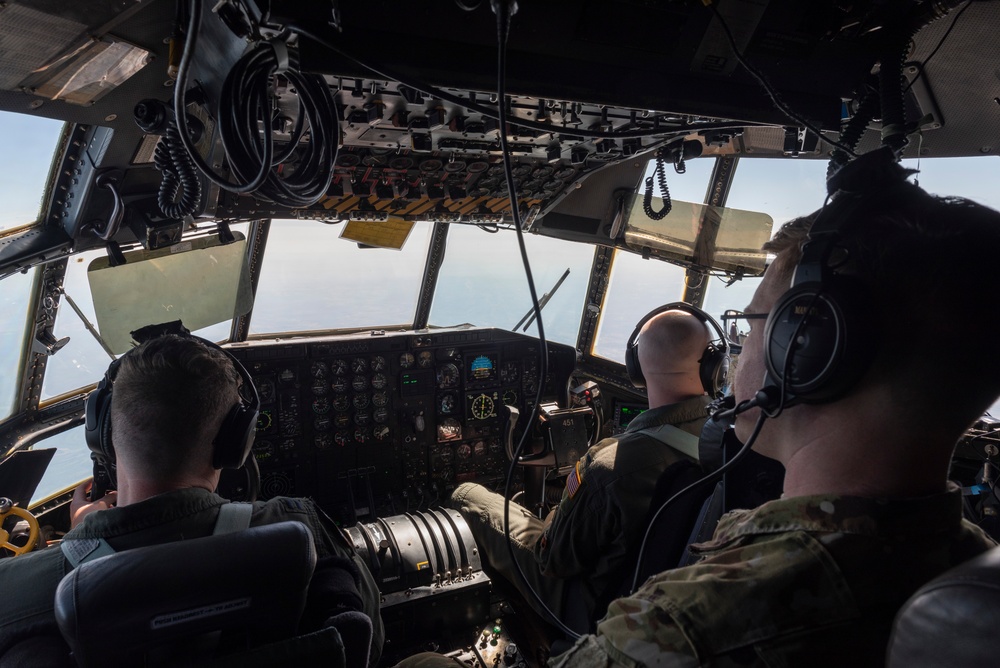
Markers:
(168, 604)
(952, 620)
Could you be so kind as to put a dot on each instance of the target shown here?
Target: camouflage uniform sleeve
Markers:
(585, 517)
(597, 652)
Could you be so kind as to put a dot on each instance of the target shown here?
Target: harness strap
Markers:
(674, 437)
(232, 517)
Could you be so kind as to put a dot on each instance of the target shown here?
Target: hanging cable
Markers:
(504, 10)
(647, 198)
(245, 124)
(180, 176)
(711, 477)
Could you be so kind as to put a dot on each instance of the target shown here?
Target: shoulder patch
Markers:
(573, 481)
(293, 505)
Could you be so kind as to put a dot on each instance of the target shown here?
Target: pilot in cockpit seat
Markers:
(579, 551)
(175, 398)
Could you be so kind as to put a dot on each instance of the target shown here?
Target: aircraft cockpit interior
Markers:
(427, 230)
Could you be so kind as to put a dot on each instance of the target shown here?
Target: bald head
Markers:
(670, 346)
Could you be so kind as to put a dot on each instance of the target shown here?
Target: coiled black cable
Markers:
(247, 135)
(245, 124)
(647, 197)
(180, 176)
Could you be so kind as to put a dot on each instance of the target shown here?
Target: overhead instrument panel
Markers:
(372, 426)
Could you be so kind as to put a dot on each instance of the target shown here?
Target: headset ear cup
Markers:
(235, 438)
(632, 366)
(833, 348)
(714, 370)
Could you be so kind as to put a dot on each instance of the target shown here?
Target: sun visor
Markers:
(697, 235)
(200, 282)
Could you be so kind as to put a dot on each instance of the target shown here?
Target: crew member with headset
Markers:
(179, 409)
(580, 550)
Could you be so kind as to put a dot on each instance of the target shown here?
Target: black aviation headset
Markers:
(231, 445)
(713, 367)
(823, 333)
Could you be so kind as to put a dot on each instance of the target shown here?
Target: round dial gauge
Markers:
(361, 435)
(379, 381)
(381, 433)
(265, 389)
(359, 365)
(425, 359)
(339, 384)
(380, 398)
(479, 447)
(338, 367)
(463, 451)
(482, 407)
(320, 387)
(341, 438)
(342, 403)
(318, 369)
(379, 363)
(342, 419)
(361, 401)
(447, 376)
(406, 361)
(445, 456)
(323, 441)
(381, 415)
(362, 418)
(360, 383)
(322, 423)
(263, 449)
(321, 406)
(446, 403)
(264, 420)
(510, 398)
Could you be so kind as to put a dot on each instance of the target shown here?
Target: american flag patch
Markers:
(573, 481)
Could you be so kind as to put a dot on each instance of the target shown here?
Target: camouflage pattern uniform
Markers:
(813, 580)
(583, 541)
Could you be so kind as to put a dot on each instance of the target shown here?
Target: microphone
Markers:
(767, 397)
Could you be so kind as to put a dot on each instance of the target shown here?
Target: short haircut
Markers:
(928, 263)
(168, 401)
(672, 342)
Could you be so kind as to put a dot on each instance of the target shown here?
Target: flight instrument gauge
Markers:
(265, 389)
(406, 361)
(463, 451)
(425, 359)
(380, 399)
(339, 384)
(447, 376)
(338, 367)
(360, 383)
(483, 408)
(342, 403)
(321, 406)
(379, 363)
(359, 365)
(446, 403)
(510, 398)
(379, 381)
(318, 370)
(361, 401)
(320, 387)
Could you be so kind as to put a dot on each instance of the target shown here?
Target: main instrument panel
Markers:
(382, 423)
